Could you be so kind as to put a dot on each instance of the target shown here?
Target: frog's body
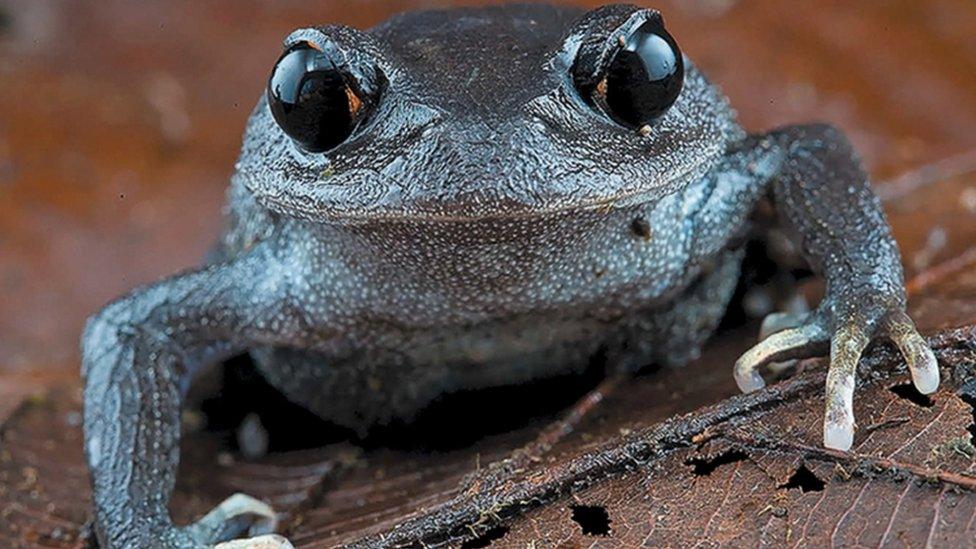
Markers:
(489, 275)
(549, 314)
(484, 224)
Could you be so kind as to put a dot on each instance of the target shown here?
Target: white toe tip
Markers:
(272, 541)
(927, 382)
(749, 382)
(838, 437)
(926, 377)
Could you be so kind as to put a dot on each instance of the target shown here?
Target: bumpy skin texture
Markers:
(486, 225)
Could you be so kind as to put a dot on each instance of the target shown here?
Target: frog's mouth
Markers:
(365, 196)
(460, 208)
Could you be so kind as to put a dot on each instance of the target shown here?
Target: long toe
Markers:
(798, 342)
(238, 515)
(921, 361)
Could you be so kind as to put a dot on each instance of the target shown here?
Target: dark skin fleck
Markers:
(641, 228)
(449, 242)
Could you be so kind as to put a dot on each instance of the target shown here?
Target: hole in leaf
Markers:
(705, 466)
(971, 401)
(908, 392)
(486, 539)
(805, 480)
(593, 519)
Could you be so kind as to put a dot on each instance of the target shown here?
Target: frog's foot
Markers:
(809, 335)
(238, 515)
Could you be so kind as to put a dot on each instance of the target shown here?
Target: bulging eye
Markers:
(644, 76)
(312, 99)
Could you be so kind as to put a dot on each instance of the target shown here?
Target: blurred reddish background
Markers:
(120, 123)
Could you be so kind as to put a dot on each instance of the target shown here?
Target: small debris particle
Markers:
(954, 447)
(73, 419)
(841, 473)
(758, 302)
(777, 511)
(967, 198)
(193, 421)
(252, 437)
(486, 539)
(225, 459)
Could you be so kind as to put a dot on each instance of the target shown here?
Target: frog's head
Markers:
(508, 111)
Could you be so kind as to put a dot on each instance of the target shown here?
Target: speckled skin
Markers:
(485, 226)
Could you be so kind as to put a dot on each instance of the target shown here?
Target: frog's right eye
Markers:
(313, 100)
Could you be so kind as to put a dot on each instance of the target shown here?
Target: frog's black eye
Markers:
(312, 99)
(643, 76)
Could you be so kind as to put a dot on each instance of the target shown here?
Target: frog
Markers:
(465, 198)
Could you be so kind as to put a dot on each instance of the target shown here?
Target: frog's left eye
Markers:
(313, 99)
(641, 75)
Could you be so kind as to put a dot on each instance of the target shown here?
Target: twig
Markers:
(947, 168)
(886, 423)
(558, 430)
(940, 272)
(859, 461)
(522, 457)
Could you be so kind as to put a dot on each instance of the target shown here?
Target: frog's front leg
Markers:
(139, 355)
(824, 198)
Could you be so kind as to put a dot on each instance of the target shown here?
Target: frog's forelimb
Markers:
(139, 355)
(824, 198)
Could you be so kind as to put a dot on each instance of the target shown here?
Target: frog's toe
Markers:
(238, 515)
(839, 435)
(920, 358)
(799, 341)
(777, 322)
(270, 541)
(846, 347)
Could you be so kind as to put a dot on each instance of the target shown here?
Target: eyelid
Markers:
(310, 35)
(593, 57)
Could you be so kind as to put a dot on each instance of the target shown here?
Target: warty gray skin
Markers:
(485, 226)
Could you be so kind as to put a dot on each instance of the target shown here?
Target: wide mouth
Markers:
(316, 203)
